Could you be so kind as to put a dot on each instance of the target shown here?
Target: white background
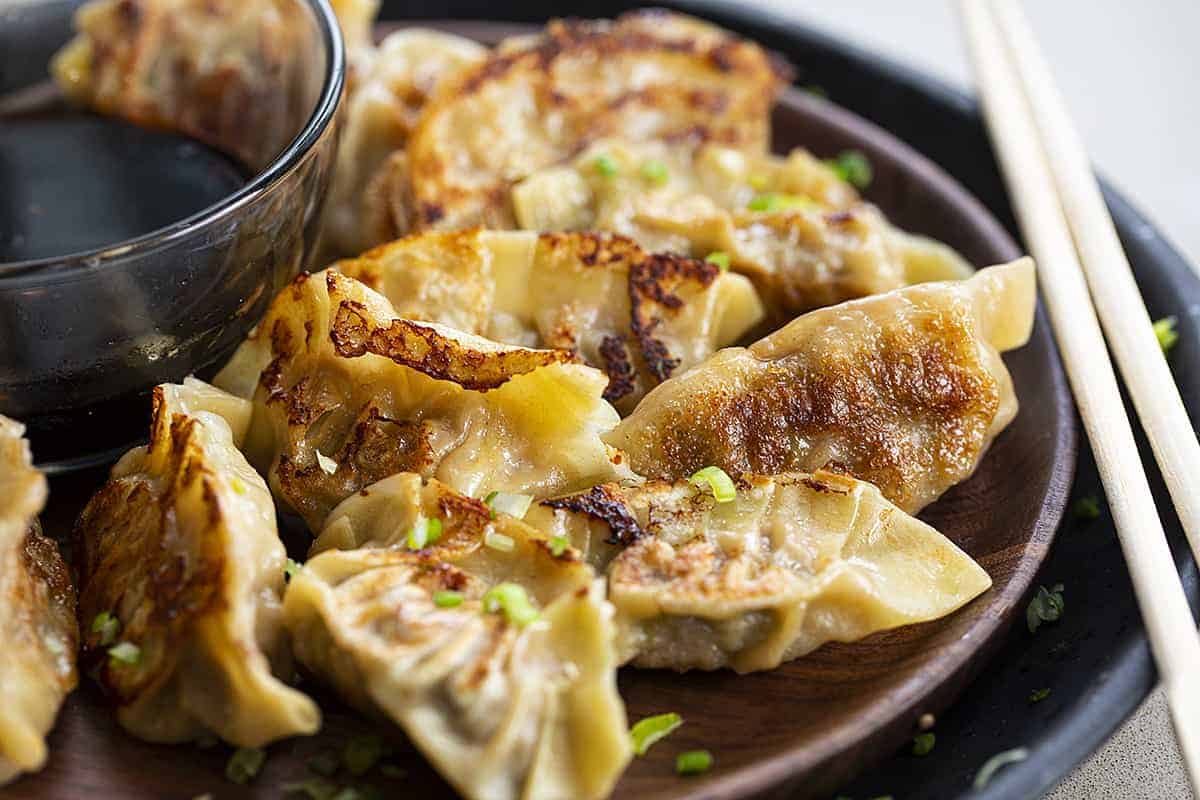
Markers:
(1130, 70)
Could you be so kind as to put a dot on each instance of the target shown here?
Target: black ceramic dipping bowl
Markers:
(85, 336)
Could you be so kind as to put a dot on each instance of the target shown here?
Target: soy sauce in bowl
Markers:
(72, 181)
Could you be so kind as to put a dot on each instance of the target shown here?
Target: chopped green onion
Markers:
(1038, 695)
(314, 788)
(125, 653)
(361, 753)
(447, 599)
(54, 645)
(605, 165)
(1164, 329)
(245, 764)
(1087, 508)
(655, 172)
(1046, 606)
(424, 532)
(815, 90)
(997, 762)
(923, 743)
(291, 568)
(327, 464)
(693, 762)
(393, 771)
(774, 201)
(513, 601)
(108, 626)
(759, 182)
(720, 258)
(558, 545)
(651, 729)
(718, 480)
(237, 486)
(324, 763)
(515, 505)
(498, 541)
(852, 167)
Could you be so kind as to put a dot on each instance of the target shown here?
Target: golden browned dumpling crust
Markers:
(346, 393)
(638, 316)
(905, 390)
(538, 100)
(227, 72)
(37, 613)
(180, 550)
(791, 562)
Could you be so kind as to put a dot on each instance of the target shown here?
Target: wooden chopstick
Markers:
(1110, 278)
(1172, 631)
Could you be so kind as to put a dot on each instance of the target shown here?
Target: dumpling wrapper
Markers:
(230, 73)
(640, 317)
(37, 613)
(345, 394)
(794, 562)
(181, 547)
(537, 100)
(500, 710)
(905, 390)
(821, 245)
(392, 85)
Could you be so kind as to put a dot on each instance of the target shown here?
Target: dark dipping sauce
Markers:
(71, 181)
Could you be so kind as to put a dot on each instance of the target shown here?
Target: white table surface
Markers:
(1130, 71)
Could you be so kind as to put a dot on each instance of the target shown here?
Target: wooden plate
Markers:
(798, 731)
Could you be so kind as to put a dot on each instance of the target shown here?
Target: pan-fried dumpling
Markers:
(499, 666)
(227, 72)
(790, 224)
(791, 563)
(37, 613)
(536, 101)
(380, 113)
(345, 394)
(905, 390)
(637, 316)
(181, 575)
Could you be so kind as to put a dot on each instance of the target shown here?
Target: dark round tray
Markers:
(1096, 660)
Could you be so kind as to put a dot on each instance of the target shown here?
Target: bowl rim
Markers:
(297, 150)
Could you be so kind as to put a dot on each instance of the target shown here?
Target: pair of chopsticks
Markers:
(1063, 216)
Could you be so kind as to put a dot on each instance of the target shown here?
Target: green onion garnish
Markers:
(498, 541)
(361, 753)
(125, 653)
(651, 729)
(1038, 695)
(558, 545)
(314, 788)
(244, 764)
(291, 568)
(447, 599)
(512, 600)
(327, 464)
(108, 626)
(718, 480)
(515, 505)
(1164, 329)
(720, 258)
(424, 532)
(1087, 508)
(923, 743)
(392, 771)
(997, 762)
(605, 165)
(774, 201)
(655, 172)
(693, 762)
(852, 167)
(1046, 606)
